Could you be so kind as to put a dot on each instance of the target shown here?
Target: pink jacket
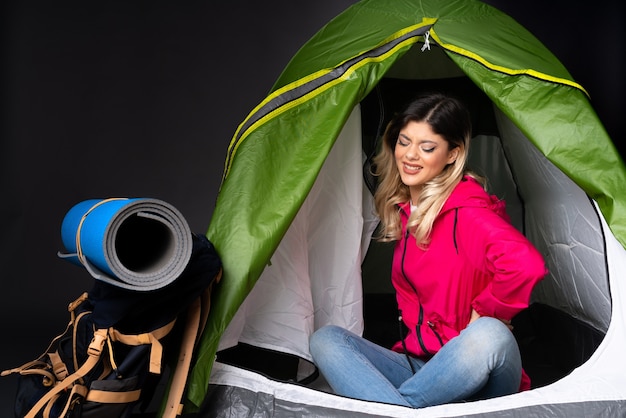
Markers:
(476, 259)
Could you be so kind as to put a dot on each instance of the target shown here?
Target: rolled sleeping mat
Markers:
(139, 244)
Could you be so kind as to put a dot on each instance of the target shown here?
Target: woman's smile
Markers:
(411, 169)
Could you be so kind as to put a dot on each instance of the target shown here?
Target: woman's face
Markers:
(421, 155)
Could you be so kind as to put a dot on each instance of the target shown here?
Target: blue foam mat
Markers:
(134, 243)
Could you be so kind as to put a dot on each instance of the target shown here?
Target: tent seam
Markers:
(510, 71)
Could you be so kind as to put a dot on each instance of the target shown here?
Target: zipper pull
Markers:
(426, 41)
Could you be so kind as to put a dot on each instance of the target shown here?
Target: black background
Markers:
(141, 98)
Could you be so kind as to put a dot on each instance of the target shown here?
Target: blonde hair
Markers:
(448, 118)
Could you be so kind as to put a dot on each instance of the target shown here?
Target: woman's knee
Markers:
(324, 338)
(491, 332)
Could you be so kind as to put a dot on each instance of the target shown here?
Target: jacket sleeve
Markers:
(500, 251)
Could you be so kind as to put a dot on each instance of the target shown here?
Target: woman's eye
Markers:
(428, 149)
(403, 143)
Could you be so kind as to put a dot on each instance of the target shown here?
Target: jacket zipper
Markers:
(420, 319)
(432, 326)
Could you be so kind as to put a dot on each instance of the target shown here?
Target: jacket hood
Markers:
(470, 194)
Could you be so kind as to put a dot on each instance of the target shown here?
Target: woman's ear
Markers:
(453, 155)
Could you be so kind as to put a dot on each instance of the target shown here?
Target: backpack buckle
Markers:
(97, 343)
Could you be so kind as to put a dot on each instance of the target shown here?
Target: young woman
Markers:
(461, 271)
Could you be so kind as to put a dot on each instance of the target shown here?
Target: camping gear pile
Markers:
(142, 317)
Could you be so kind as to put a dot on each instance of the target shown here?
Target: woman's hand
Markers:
(475, 315)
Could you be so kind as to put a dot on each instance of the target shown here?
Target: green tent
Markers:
(280, 149)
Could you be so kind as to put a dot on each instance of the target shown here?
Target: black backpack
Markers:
(109, 361)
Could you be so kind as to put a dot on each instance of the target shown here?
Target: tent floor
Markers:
(551, 342)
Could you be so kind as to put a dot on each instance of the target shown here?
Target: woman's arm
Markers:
(500, 250)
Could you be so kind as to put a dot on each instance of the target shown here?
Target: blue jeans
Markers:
(482, 362)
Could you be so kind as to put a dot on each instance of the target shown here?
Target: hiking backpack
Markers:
(110, 359)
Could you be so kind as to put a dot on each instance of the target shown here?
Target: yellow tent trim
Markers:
(499, 68)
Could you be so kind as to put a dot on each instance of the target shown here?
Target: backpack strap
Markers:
(197, 316)
(58, 367)
(75, 325)
(152, 338)
(39, 366)
(75, 394)
(103, 396)
(173, 406)
(34, 367)
(94, 351)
